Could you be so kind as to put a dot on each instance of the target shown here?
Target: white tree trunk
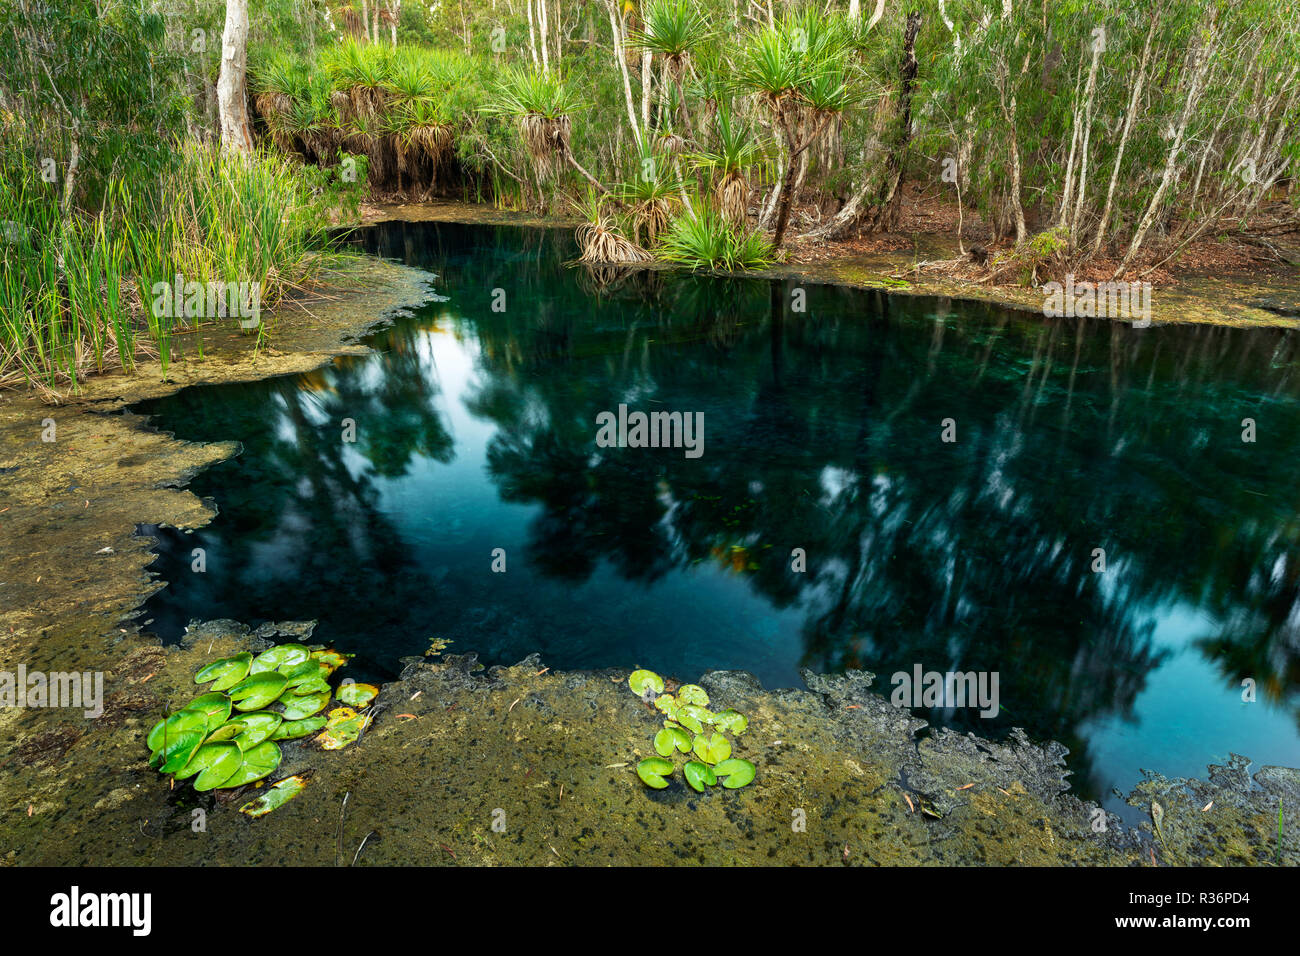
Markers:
(232, 85)
(619, 55)
(1123, 140)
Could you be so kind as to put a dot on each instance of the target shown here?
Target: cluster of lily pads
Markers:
(687, 713)
(230, 736)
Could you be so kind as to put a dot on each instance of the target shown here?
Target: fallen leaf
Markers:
(967, 787)
(911, 809)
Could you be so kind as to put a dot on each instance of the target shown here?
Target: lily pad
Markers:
(712, 749)
(691, 716)
(175, 725)
(227, 731)
(269, 660)
(699, 775)
(293, 729)
(298, 708)
(737, 772)
(276, 796)
(307, 671)
(653, 770)
(258, 726)
(732, 721)
(358, 695)
(678, 739)
(331, 658)
(693, 694)
(215, 705)
(307, 687)
(218, 763)
(642, 681)
(257, 690)
(343, 727)
(258, 762)
(666, 704)
(226, 672)
(177, 751)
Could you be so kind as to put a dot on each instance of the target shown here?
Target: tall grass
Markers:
(76, 291)
(708, 241)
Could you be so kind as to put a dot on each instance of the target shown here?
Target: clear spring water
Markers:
(476, 430)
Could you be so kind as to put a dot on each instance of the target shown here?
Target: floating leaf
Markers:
(664, 744)
(737, 772)
(215, 705)
(258, 762)
(358, 695)
(227, 672)
(177, 751)
(732, 721)
(292, 654)
(298, 708)
(641, 681)
(276, 796)
(712, 749)
(258, 726)
(315, 686)
(227, 731)
(331, 658)
(293, 729)
(666, 704)
(692, 716)
(306, 672)
(653, 770)
(218, 763)
(257, 690)
(343, 727)
(680, 738)
(175, 725)
(699, 775)
(693, 694)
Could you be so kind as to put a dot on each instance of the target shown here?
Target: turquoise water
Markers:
(476, 429)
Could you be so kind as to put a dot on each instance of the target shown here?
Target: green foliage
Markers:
(707, 241)
(711, 752)
(228, 738)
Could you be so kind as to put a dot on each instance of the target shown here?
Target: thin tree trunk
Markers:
(232, 84)
(1123, 140)
(619, 50)
(1200, 65)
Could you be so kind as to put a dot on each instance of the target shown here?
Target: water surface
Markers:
(475, 430)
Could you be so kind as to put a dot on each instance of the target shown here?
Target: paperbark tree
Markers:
(232, 82)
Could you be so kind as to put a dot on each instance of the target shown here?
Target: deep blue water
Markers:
(476, 430)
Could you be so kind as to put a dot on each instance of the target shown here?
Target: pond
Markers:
(1096, 530)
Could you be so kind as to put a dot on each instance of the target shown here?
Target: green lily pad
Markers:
(306, 672)
(358, 695)
(737, 772)
(699, 775)
(641, 681)
(257, 690)
(343, 727)
(652, 771)
(693, 694)
(308, 687)
(293, 729)
(712, 749)
(667, 705)
(258, 762)
(227, 731)
(269, 660)
(171, 727)
(177, 751)
(331, 658)
(218, 763)
(298, 708)
(215, 705)
(677, 739)
(226, 672)
(276, 796)
(692, 716)
(732, 721)
(258, 726)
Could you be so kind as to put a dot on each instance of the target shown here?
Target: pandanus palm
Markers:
(802, 71)
(674, 30)
(734, 149)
